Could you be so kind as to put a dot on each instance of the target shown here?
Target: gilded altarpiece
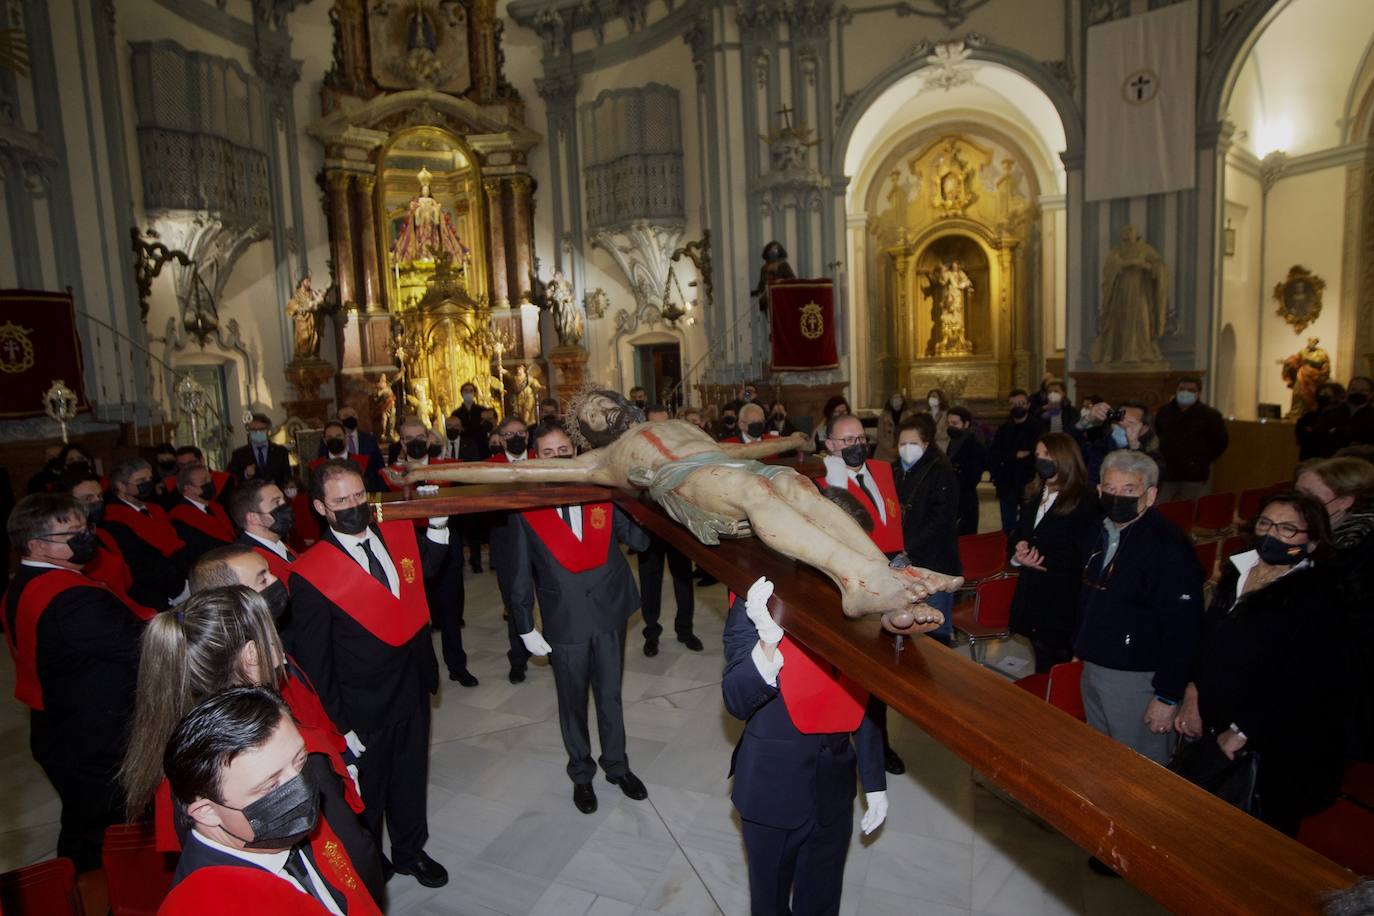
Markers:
(429, 201)
(953, 230)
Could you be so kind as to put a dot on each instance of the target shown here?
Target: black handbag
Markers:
(1236, 782)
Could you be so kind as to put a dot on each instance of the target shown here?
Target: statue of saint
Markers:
(721, 490)
(525, 390)
(775, 267)
(567, 317)
(1135, 298)
(386, 405)
(1304, 372)
(304, 310)
(950, 289)
(427, 230)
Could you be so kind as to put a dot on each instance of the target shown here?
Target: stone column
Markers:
(343, 237)
(496, 219)
(371, 280)
(524, 234)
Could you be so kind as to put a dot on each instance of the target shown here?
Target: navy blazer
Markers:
(783, 777)
(573, 606)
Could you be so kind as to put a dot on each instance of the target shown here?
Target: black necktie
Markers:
(295, 867)
(374, 565)
(567, 516)
(262, 458)
(859, 479)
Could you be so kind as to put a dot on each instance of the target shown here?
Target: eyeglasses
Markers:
(1264, 524)
(52, 536)
(851, 440)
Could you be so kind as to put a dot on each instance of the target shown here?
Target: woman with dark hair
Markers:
(928, 491)
(969, 458)
(1260, 682)
(938, 402)
(835, 406)
(1053, 541)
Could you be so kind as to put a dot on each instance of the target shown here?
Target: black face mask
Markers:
(146, 491)
(1018, 412)
(94, 513)
(79, 469)
(517, 445)
(1277, 553)
(352, 520)
(207, 491)
(729, 420)
(1046, 468)
(1357, 399)
(640, 403)
(336, 446)
(167, 468)
(276, 597)
(417, 448)
(754, 430)
(284, 816)
(855, 455)
(83, 546)
(955, 431)
(434, 451)
(1120, 509)
(350, 423)
(452, 432)
(1323, 400)
(283, 520)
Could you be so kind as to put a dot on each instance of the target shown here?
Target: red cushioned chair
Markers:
(138, 875)
(1249, 502)
(44, 889)
(982, 556)
(988, 617)
(1059, 687)
(1216, 513)
(1206, 553)
(1180, 512)
(1341, 833)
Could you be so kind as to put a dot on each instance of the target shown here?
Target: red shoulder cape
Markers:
(340, 579)
(216, 525)
(154, 528)
(574, 555)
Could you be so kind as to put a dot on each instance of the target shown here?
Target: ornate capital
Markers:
(521, 185)
(492, 186)
(366, 183)
(338, 180)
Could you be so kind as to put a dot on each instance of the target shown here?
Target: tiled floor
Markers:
(503, 823)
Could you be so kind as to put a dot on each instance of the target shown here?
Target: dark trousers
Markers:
(517, 654)
(474, 528)
(651, 587)
(1051, 650)
(805, 865)
(968, 513)
(394, 774)
(87, 785)
(596, 665)
(357, 840)
(1011, 511)
(447, 597)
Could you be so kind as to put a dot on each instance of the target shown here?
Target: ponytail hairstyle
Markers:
(189, 654)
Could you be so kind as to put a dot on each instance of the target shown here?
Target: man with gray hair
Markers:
(1139, 611)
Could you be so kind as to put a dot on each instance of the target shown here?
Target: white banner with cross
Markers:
(1141, 104)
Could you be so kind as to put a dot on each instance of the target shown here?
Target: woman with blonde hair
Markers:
(217, 639)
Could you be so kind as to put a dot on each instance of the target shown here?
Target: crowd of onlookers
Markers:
(1267, 657)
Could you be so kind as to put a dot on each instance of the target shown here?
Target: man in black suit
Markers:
(586, 594)
(362, 634)
(201, 522)
(157, 558)
(261, 457)
(795, 764)
(360, 443)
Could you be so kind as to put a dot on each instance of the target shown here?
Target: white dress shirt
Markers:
(574, 519)
(1046, 502)
(523, 456)
(870, 486)
(1245, 562)
(277, 547)
(275, 862)
(353, 543)
(197, 503)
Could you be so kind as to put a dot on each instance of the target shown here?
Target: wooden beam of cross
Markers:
(1183, 846)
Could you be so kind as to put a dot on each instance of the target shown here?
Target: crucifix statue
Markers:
(721, 490)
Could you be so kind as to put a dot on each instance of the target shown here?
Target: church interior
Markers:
(216, 211)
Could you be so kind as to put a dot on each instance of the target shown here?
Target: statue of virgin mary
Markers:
(427, 230)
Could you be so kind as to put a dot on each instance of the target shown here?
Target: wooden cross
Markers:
(786, 112)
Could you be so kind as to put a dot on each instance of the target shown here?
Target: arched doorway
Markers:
(972, 172)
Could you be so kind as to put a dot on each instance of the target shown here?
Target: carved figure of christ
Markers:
(782, 508)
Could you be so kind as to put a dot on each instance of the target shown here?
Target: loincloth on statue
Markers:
(709, 528)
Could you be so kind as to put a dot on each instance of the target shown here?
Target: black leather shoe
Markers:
(691, 642)
(584, 796)
(425, 870)
(629, 784)
(892, 763)
(651, 647)
(463, 676)
(517, 675)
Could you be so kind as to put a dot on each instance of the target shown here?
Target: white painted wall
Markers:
(1236, 372)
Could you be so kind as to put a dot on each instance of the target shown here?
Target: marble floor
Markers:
(503, 823)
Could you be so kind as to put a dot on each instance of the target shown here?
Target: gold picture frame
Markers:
(1299, 297)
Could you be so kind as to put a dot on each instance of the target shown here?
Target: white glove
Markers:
(756, 606)
(355, 744)
(877, 812)
(439, 521)
(353, 774)
(534, 642)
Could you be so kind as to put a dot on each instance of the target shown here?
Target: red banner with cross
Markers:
(802, 313)
(38, 346)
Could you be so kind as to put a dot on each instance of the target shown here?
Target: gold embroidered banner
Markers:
(802, 313)
(38, 345)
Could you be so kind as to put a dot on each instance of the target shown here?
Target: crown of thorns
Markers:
(575, 405)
